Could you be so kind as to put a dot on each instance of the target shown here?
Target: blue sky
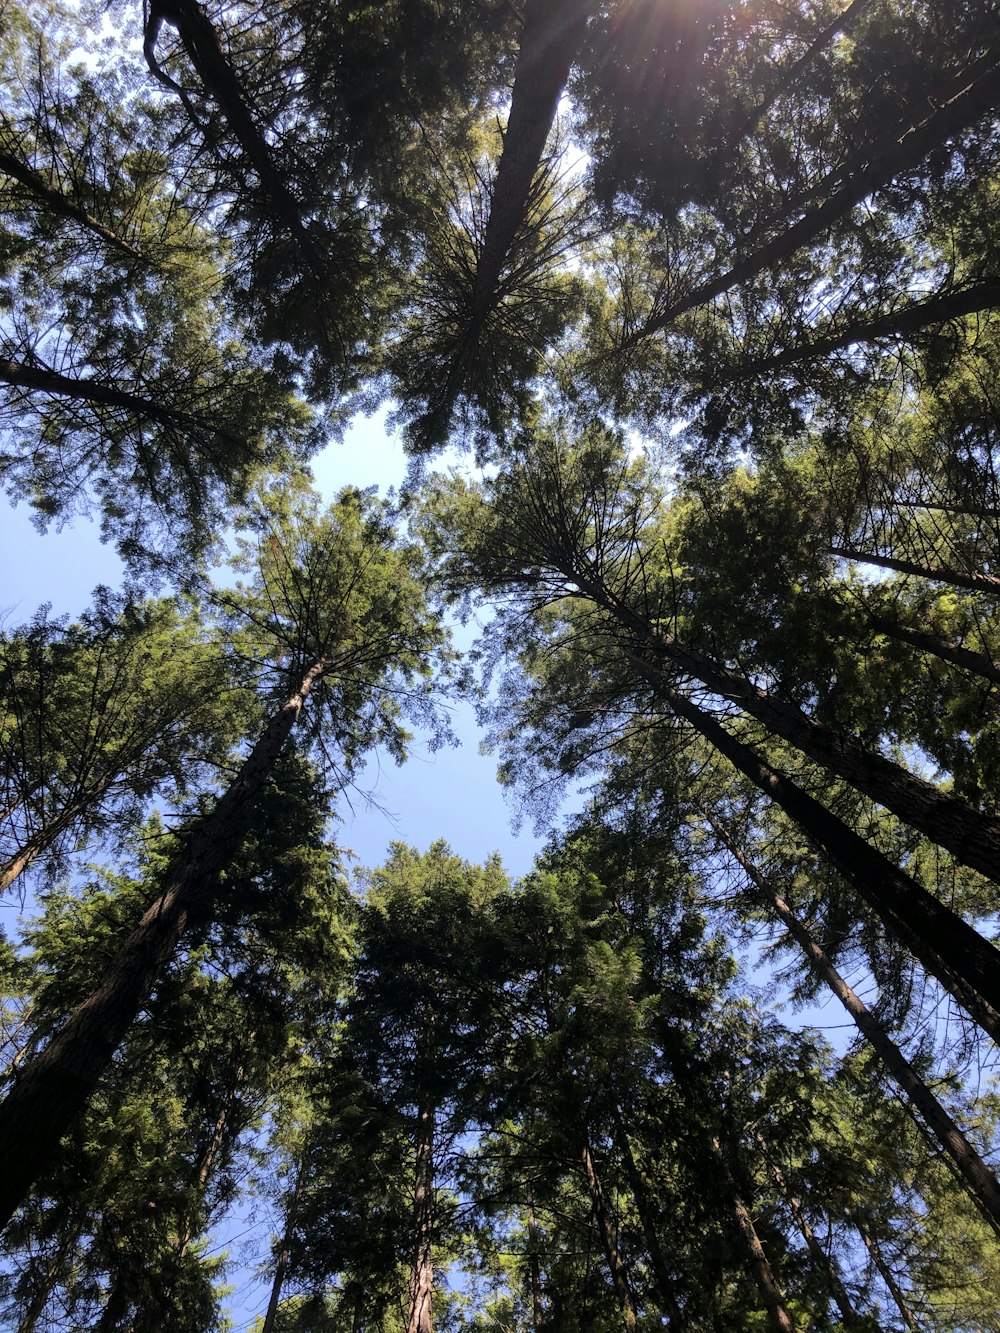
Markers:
(451, 793)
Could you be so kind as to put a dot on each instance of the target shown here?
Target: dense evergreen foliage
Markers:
(705, 294)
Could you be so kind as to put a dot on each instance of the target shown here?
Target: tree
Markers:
(337, 614)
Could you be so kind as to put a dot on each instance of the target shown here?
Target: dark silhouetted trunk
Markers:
(934, 574)
(281, 1259)
(56, 202)
(976, 663)
(52, 1090)
(977, 1177)
(647, 1219)
(609, 1241)
(534, 1267)
(885, 1272)
(418, 1314)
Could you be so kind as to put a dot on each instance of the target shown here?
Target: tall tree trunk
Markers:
(885, 1272)
(822, 1260)
(979, 1180)
(965, 964)
(902, 322)
(281, 1262)
(418, 1314)
(640, 1193)
(753, 1252)
(972, 838)
(550, 38)
(52, 1090)
(934, 574)
(53, 1269)
(969, 97)
(609, 1241)
(979, 664)
(39, 378)
(534, 1268)
(56, 202)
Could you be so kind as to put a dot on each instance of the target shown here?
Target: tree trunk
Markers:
(38, 378)
(902, 322)
(534, 1268)
(281, 1263)
(52, 1090)
(965, 964)
(609, 1241)
(56, 202)
(978, 664)
(940, 574)
(550, 37)
(756, 1260)
(969, 97)
(664, 1282)
(822, 1260)
(885, 1272)
(418, 1314)
(979, 1180)
(972, 838)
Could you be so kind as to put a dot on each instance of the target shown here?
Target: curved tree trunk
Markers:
(51, 1090)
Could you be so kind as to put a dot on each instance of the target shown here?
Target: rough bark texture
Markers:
(51, 1091)
(940, 574)
(609, 1241)
(418, 1314)
(979, 1180)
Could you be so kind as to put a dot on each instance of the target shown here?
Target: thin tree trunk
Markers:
(640, 1193)
(966, 964)
(281, 1264)
(756, 1260)
(619, 1278)
(902, 322)
(885, 1272)
(979, 1180)
(56, 202)
(39, 1300)
(822, 1260)
(52, 1090)
(979, 664)
(970, 96)
(939, 574)
(418, 1314)
(534, 1269)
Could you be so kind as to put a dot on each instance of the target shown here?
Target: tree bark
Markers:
(972, 837)
(38, 378)
(418, 1314)
(281, 1263)
(885, 1272)
(664, 1282)
(550, 38)
(609, 1241)
(978, 664)
(760, 1270)
(903, 322)
(970, 96)
(965, 963)
(56, 202)
(941, 574)
(534, 1268)
(822, 1260)
(52, 1090)
(979, 1180)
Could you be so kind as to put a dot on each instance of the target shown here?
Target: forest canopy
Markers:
(688, 315)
